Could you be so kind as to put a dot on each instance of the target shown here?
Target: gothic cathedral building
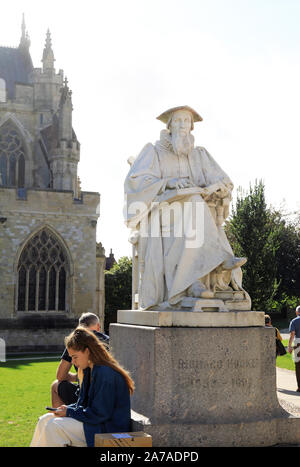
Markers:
(51, 269)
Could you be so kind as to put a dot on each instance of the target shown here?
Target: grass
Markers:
(24, 394)
(286, 361)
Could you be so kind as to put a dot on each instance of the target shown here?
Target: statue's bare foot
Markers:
(200, 291)
(233, 263)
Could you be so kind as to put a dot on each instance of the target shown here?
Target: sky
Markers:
(236, 62)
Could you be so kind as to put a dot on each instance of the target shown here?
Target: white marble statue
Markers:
(176, 200)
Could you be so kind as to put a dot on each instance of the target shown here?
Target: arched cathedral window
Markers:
(43, 273)
(12, 156)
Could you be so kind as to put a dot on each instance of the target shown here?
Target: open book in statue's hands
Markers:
(178, 193)
(218, 189)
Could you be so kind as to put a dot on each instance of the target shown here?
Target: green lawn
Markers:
(24, 394)
(286, 361)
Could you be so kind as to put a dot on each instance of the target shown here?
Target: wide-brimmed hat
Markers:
(166, 116)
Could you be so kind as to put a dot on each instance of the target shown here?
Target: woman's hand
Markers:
(61, 411)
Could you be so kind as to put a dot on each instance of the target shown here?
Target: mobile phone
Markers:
(51, 408)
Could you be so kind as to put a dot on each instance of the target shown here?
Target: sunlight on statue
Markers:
(176, 201)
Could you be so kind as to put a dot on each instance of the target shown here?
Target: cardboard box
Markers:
(123, 440)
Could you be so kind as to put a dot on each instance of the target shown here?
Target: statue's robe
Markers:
(172, 263)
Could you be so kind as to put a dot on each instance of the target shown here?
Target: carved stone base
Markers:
(193, 304)
(204, 386)
(228, 300)
(195, 319)
(235, 299)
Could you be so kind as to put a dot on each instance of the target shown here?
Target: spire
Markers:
(48, 55)
(65, 113)
(48, 44)
(66, 94)
(110, 260)
(25, 41)
(23, 27)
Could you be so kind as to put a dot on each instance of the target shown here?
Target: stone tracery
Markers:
(42, 274)
(12, 156)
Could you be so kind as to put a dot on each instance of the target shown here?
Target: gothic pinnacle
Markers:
(48, 55)
(48, 44)
(25, 41)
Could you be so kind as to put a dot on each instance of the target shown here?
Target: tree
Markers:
(271, 244)
(288, 256)
(117, 290)
(251, 234)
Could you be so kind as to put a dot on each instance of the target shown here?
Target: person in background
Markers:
(294, 330)
(65, 389)
(268, 323)
(280, 349)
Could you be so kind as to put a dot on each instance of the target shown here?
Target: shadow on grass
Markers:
(15, 364)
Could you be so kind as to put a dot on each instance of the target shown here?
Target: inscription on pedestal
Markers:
(189, 374)
(217, 364)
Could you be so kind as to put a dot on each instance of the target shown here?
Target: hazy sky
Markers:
(237, 62)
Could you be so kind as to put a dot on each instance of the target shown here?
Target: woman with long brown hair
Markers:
(104, 401)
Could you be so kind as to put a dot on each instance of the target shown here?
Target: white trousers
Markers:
(52, 431)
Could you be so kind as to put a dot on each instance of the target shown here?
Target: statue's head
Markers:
(181, 114)
(180, 123)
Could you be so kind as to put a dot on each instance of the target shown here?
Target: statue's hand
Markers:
(185, 183)
(171, 184)
(177, 183)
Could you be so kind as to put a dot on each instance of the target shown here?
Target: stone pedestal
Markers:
(203, 379)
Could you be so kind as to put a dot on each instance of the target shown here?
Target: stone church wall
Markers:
(74, 222)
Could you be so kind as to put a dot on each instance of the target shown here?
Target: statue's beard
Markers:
(182, 145)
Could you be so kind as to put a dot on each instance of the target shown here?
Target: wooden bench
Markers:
(129, 439)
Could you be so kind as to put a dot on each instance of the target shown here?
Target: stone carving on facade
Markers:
(176, 201)
(100, 250)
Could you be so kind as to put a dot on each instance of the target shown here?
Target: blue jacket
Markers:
(103, 405)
